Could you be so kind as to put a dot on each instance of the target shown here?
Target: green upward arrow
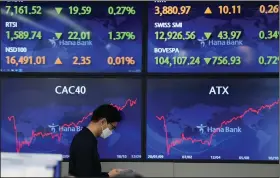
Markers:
(207, 60)
(58, 10)
(58, 35)
(207, 35)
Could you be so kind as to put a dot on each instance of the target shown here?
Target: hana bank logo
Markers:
(52, 41)
(57, 128)
(202, 129)
(202, 41)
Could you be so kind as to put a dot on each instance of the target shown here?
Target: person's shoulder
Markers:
(83, 136)
(79, 136)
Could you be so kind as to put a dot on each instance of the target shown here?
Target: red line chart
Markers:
(58, 136)
(208, 142)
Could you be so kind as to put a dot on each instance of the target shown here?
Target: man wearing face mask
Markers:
(84, 158)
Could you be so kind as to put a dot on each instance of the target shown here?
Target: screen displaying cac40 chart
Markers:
(213, 37)
(43, 115)
(79, 36)
(213, 119)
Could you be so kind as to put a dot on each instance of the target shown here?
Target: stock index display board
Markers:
(213, 37)
(107, 36)
(213, 119)
(71, 36)
(43, 115)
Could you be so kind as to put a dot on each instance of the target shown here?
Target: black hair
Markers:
(107, 111)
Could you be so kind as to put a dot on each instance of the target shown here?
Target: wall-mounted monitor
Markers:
(87, 37)
(213, 119)
(220, 37)
(41, 115)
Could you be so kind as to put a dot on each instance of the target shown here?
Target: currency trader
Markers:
(84, 158)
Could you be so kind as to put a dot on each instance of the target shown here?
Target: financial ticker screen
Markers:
(71, 36)
(42, 115)
(103, 36)
(213, 119)
(213, 36)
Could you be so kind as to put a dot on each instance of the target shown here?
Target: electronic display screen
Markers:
(41, 115)
(213, 119)
(213, 37)
(71, 36)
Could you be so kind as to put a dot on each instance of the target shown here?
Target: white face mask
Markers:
(106, 133)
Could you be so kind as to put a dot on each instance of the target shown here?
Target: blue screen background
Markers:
(250, 22)
(35, 105)
(32, 113)
(99, 23)
(186, 104)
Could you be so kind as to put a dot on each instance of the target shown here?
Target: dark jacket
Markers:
(84, 157)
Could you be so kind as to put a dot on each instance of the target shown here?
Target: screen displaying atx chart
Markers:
(43, 115)
(213, 37)
(213, 119)
(71, 36)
